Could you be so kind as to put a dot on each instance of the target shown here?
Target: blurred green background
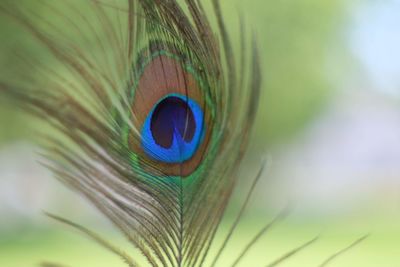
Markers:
(329, 125)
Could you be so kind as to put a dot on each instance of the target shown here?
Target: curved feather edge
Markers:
(333, 257)
(96, 237)
(292, 253)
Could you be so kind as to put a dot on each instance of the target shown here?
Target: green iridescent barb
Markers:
(154, 106)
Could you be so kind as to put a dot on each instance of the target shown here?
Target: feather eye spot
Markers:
(173, 130)
(172, 113)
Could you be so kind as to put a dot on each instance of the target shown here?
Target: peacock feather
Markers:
(152, 107)
(155, 117)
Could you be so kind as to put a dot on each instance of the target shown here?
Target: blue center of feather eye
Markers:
(173, 130)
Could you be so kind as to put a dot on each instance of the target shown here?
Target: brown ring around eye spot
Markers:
(161, 77)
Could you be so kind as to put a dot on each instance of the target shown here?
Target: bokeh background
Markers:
(328, 127)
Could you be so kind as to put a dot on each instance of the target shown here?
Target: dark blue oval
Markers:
(173, 130)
